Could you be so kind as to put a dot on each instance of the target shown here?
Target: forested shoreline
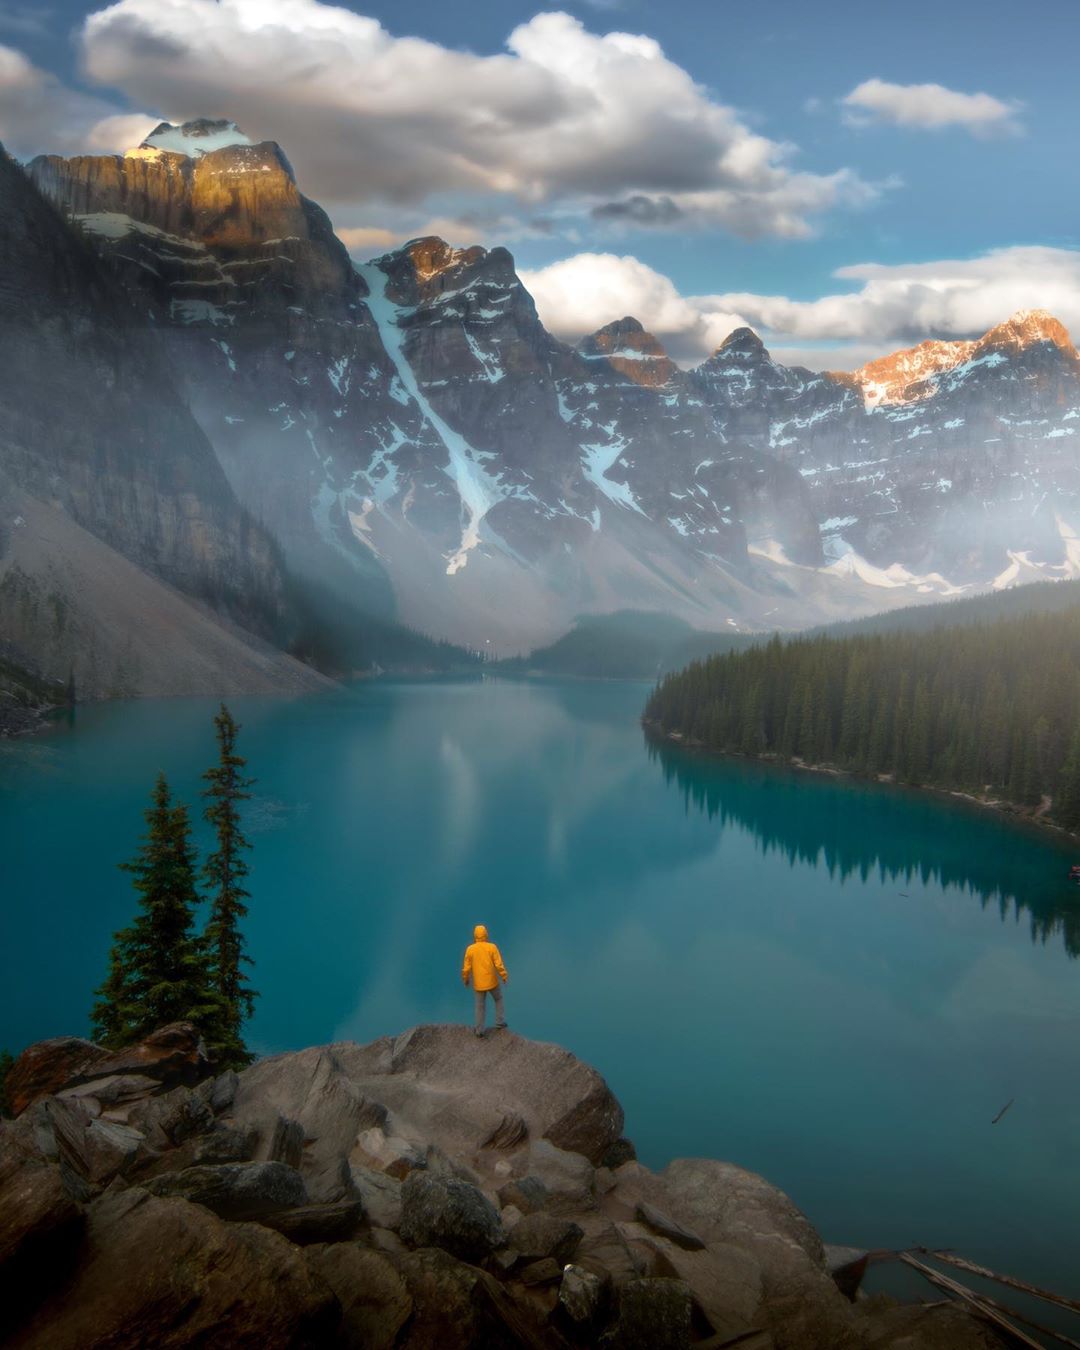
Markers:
(991, 709)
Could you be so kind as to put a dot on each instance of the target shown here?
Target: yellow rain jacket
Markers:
(483, 962)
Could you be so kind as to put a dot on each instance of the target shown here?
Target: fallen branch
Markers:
(1042, 1329)
(1058, 1300)
(969, 1297)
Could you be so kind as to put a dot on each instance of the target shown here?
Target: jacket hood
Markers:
(479, 933)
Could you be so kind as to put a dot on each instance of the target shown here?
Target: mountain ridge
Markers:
(408, 428)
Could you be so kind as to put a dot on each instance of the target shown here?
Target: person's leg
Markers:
(478, 1021)
(500, 1016)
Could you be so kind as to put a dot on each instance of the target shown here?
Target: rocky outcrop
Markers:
(112, 1232)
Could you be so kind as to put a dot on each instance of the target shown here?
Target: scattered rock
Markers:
(161, 1272)
(309, 1146)
(380, 1194)
(316, 1223)
(386, 1153)
(224, 1143)
(171, 1056)
(44, 1068)
(544, 1271)
(667, 1227)
(116, 1090)
(528, 1194)
(450, 1214)
(457, 1307)
(605, 1251)
(170, 1118)
(652, 1315)
(581, 1296)
(236, 1190)
(542, 1235)
(375, 1304)
(569, 1176)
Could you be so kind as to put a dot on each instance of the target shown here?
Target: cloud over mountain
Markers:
(601, 124)
(38, 112)
(892, 304)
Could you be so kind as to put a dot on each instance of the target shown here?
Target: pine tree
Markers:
(156, 974)
(1067, 796)
(224, 872)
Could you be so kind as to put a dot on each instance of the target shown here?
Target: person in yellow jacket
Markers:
(484, 968)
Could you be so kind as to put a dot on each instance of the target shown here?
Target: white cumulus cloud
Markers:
(606, 123)
(886, 306)
(580, 294)
(930, 107)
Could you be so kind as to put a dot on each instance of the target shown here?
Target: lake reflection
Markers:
(832, 983)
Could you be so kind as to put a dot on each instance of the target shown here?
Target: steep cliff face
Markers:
(263, 316)
(94, 433)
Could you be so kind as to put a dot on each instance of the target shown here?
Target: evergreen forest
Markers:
(987, 708)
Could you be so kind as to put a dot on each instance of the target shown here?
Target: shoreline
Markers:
(1033, 816)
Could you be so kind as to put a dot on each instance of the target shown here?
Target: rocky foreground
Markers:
(424, 1192)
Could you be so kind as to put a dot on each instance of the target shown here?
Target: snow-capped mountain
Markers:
(411, 432)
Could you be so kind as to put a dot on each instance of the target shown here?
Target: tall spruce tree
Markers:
(224, 873)
(156, 973)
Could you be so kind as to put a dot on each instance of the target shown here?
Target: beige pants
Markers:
(481, 1006)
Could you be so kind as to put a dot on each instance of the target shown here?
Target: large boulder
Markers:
(458, 1307)
(161, 1272)
(441, 1211)
(44, 1068)
(40, 1227)
(725, 1205)
(723, 1202)
(652, 1315)
(375, 1303)
(236, 1191)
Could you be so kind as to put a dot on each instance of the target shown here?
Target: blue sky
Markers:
(724, 171)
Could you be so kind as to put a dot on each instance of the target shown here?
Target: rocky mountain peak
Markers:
(900, 377)
(195, 138)
(426, 268)
(1024, 329)
(632, 350)
(742, 344)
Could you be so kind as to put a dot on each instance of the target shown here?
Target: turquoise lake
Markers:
(836, 984)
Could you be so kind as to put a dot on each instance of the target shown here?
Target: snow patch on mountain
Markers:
(196, 138)
(478, 489)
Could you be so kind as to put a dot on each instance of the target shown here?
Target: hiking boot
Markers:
(478, 1032)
